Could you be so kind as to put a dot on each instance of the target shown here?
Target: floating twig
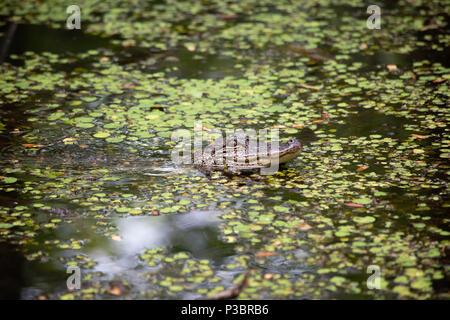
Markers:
(230, 293)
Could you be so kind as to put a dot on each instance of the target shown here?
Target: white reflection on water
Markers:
(191, 230)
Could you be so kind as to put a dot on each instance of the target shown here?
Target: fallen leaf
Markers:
(16, 131)
(317, 121)
(155, 212)
(362, 168)
(439, 80)
(391, 67)
(114, 291)
(268, 276)
(325, 116)
(304, 226)
(355, 205)
(69, 139)
(265, 254)
(104, 59)
(42, 297)
(83, 146)
(228, 16)
(418, 136)
(363, 46)
(298, 125)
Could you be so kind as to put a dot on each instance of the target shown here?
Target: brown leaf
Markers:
(418, 136)
(304, 226)
(439, 80)
(317, 121)
(355, 205)
(228, 16)
(362, 168)
(298, 125)
(104, 59)
(391, 67)
(268, 276)
(114, 291)
(83, 146)
(325, 116)
(130, 86)
(265, 254)
(69, 139)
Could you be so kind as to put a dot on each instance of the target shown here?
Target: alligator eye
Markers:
(291, 141)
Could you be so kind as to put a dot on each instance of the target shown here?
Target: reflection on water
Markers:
(117, 258)
(195, 232)
(30, 38)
